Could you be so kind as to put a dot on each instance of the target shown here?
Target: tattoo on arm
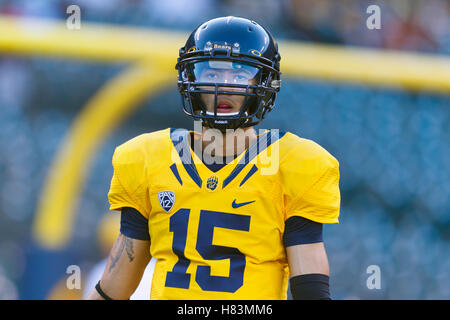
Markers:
(121, 244)
(129, 248)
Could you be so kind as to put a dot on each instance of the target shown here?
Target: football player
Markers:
(223, 219)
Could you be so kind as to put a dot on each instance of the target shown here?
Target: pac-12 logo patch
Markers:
(166, 199)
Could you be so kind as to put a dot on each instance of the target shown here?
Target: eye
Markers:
(241, 77)
(209, 76)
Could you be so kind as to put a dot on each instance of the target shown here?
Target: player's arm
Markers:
(127, 260)
(307, 258)
(126, 265)
(310, 204)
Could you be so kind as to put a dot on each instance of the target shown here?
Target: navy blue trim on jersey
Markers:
(253, 151)
(133, 224)
(249, 174)
(214, 167)
(299, 230)
(179, 139)
(175, 172)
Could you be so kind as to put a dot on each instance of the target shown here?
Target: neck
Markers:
(231, 143)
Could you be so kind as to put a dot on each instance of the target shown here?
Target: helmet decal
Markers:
(255, 52)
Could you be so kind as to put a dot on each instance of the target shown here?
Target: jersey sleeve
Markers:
(128, 185)
(313, 191)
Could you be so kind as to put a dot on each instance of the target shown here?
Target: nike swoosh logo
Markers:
(237, 205)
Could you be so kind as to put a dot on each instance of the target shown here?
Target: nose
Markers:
(231, 89)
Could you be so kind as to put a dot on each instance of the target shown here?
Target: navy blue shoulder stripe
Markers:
(175, 172)
(261, 143)
(249, 174)
(179, 139)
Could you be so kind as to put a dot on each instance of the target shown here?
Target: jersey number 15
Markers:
(179, 278)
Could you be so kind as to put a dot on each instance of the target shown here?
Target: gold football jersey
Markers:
(219, 235)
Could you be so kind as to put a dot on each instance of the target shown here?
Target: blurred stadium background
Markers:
(392, 141)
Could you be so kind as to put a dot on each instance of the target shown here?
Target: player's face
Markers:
(223, 72)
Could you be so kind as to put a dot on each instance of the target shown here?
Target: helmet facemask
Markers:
(224, 93)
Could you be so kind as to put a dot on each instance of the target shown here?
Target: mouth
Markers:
(224, 105)
(224, 108)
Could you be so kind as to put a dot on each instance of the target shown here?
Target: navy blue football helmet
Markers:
(229, 56)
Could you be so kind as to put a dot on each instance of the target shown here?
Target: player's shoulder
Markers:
(139, 147)
(294, 148)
